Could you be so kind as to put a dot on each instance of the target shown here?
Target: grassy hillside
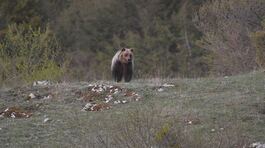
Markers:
(207, 112)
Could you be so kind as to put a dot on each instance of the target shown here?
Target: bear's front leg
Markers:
(117, 72)
(128, 72)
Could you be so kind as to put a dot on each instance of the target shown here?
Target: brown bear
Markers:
(122, 65)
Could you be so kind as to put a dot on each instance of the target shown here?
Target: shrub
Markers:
(28, 54)
(225, 26)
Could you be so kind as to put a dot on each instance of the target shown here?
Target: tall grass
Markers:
(28, 54)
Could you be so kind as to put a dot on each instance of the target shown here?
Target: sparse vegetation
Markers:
(208, 112)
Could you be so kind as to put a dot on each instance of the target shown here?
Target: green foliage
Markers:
(30, 54)
(171, 38)
(19, 11)
(99, 29)
(50, 70)
(166, 136)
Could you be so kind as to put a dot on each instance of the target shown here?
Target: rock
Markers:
(47, 120)
(15, 112)
(12, 115)
(160, 89)
(99, 107)
(96, 107)
(116, 90)
(257, 145)
(168, 85)
(41, 83)
(31, 96)
(87, 106)
(108, 98)
(117, 102)
(47, 97)
(124, 101)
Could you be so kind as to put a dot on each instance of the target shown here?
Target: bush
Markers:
(28, 54)
(225, 26)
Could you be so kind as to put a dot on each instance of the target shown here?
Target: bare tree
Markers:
(226, 27)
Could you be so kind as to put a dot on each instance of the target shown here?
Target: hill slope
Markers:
(207, 112)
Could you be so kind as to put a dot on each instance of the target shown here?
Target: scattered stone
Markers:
(190, 122)
(160, 89)
(117, 102)
(168, 85)
(47, 120)
(129, 94)
(41, 83)
(257, 145)
(116, 90)
(13, 115)
(132, 94)
(15, 112)
(87, 106)
(100, 107)
(96, 92)
(108, 98)
(97, 88)
(213, 130)
(124, 101)
(96, 107)
(47, 97)
(31, 96)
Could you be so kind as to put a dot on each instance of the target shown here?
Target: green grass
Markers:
(225, 112)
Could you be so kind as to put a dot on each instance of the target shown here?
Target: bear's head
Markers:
(126, 55)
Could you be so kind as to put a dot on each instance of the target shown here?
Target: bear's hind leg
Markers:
(128, 78)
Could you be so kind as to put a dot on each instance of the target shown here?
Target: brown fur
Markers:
(122, 65)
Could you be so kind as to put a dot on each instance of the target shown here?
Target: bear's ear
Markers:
(123, 49)
(132, 49)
